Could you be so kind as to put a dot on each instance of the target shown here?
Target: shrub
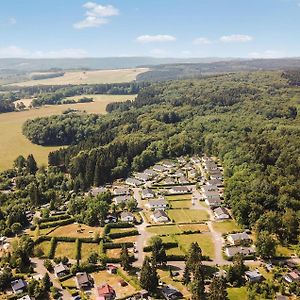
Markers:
(53, 244)
(123, 234)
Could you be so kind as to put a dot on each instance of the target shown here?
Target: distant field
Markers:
(88, 77)
(13, 143)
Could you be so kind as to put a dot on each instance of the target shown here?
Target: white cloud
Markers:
(14, 52)
(96, 15)
(267, 54)
(236, 38)
(159, 38)
(202, 41)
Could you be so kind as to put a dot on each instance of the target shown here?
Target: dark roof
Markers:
(82, 278)
(18, 284)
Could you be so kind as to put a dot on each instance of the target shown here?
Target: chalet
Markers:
(210, 166)
(121, 191)
(168, 164)
(215, 182)
(238, 238)
(159, 168)
(147, 194)
(215, 172)
(142, 177)
(183, 180)
(221, 213)
(192, 173)
(61, 270)
(150, 173)
(159, 216)
(133, 182)
(98, 190)
(111, 269)
(179, 190)
(293, 276)
(157, 204)
(206, 159)
(169, 181)
(253, 276)
(127, 216)
(171, 293)
(121, 199)
(83, 280)
(105, 292)
(213, 202)
(18, 286)
(245, 251)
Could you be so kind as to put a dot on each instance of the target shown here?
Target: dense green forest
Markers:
(249, 120)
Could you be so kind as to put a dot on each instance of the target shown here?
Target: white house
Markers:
(147, 194)
(157, 204)
(159, 168)
(18, 286)
(221, 213)
(160, 216)
(121, 191)
(127, 216)
(168, 164)
(98, 190)
(61, 270)
(253, 276)
(238, 238)
(150, 173)
(214, 182)
(195, 160)
(232, 251)
(133, 182)
(183, 180)
(213, 202)
(169, 181)
(142, 177)
(179, 190)
(120, 199)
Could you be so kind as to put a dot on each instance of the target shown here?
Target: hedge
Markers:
(52, 247)
(57, 223)
(66, 277)
(54, 218)
(109, 226)
(66, 239)
(173, 257)
(167, 245)
(123, 234)
(78, 249)
(117, 245)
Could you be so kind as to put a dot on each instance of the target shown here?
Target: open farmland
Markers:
(13, 143)
(88, 77)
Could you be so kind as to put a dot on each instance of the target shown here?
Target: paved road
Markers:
(39, 268)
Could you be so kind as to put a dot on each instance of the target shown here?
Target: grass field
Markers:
(201, 227)
(169, 229)
(179, 197)
(187, 215)
(226, 226)
(237, 293)
(45, 246)
(88, 77)
(180, 204)
(87, 249)
(65, 249)
(13, 143)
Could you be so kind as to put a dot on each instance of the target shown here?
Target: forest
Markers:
(250, 121)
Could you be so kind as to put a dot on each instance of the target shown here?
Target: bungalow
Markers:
(147, 194)
(192, 173)
(168, 164)
(183, 180)
(169, 181)
(209, 188)
(216, 175)
(127, 216)
(293, 276)
(61, 270)
(83, 280)
(181, 160)
(206, 159)
(245, 251)
(133, 182)
(158, 204)
(195, 160)
(18, 286)
(215, 182)
(120, 199)
(150, 173)
(213, 202)
(159, 168)
(179, 190)
(110, 219)
(178, 173)
(121, 191)
(211, 194)
(210, 166)
(171, 293)
(253, 276)
(214, 172)
(221, 213)
(238, 238)
(105, 292)
(142, 177)
(159, 216)
(187, 166)
(98, 190)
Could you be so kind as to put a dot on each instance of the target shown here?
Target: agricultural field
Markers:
(187, 215)
(88, 77)
(14, 143)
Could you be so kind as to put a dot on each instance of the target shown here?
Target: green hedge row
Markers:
(167, 245)
(66, 239)
(54, 218)
(117, 245)
(78, 249)
(109, 226)
(173, 257)
(53, 244)
(57, 223)
(123, 234)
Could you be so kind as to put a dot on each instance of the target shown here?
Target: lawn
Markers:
(45, 246)
(14, 143)
(237, 293)
(65, 249)
(226, 226)
(174, 251)
(127, 239)
(179, 197)
(88, 77)
(71, 231)
(114, 253)
(187, 215)
(113, 280)
(284, 251)
(118, 230)
(87, 249)
(194, 227)
(203, 239)
(164, 229)
(180, 204)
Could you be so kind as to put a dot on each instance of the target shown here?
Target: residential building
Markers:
(195, 160)
(168, 164)
(171, 293)
(147, 194)
(133, 182)
(121, 191)
(183, 180)
(238, 238)
(127, 216)
(179, 190)
(213, 202)
(253, 276)
(105, 292)
(293, 276)
(221, 213)
(159, 168)
(232, 251)
(120, 199)
(111, 269)
(150, 173)
(98, 190)
(160, 203)
(61, 270)
(160, 216)
(26, 297)
(18, 286)
(215, 182)
(142, 177)
(83, 280)
(169, 181)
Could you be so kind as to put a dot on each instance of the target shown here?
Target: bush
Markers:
(167, 245)
(78, 249)
(117, 245)
(53, 244)
(56, 223)
(176, 257)
(109, 226)
(123, 234)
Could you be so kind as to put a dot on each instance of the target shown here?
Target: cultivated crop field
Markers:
(88, 77)
(13, 143)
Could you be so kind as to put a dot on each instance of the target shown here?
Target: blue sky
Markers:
(164, 28)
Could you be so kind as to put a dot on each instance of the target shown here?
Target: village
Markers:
(180, 200)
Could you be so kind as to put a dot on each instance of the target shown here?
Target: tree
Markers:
(159, 255)
(194, 256)
(93, 258)
(265, 245)
(198, 287)
(125, 258)
(47, 282)
(235, 272)
(217, 289)
(131, 205)
(20, 163)
(48, 265)
(186, 277)
(31, 165)
(148, 277)
(16, 228)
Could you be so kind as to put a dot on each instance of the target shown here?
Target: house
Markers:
(221, 213)
(112, 269)
(179, 190)
(144, 294)
(159, 168)
(215, 182)
(293, 276)
(168, 164)
(161, 203)
(121, 191)
(169, 181)
(209, 188)
(210, 166)
(147, 194)
(61, 270)
(213, 202)
(18, 286)
(133, 182)
(181, 160)
(195, 160)
(187, 167)
(253, 276)
(216, 175)
(232, 251)
(178, 173)
(142, 177)
(281, 297)
(238, 238)
(105, 292)
(127, 216)
(98, 190)
(183, 180)
(159, 216)
(171, 293)
(26, 297)
(110, 219)
(121, 199)
(83, 280)
(150, 173)
(192, 173)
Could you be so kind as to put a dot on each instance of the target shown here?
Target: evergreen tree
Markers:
(159, 255)
(31, 165)
(217, 289)
(125, 258)
(149, 277)
(20, 163)
(198, 287)
(194, 256)
(186, 276)
(235, 272)
(47, 282)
